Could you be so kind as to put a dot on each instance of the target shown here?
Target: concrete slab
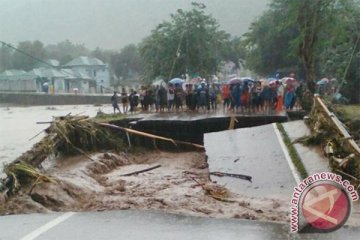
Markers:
(252, 151)
(312, 157)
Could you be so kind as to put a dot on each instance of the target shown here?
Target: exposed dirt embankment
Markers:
(81, 184)
(85, 185)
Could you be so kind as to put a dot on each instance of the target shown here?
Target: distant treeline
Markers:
(125, 63)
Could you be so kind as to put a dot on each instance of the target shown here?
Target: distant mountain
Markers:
(110, 24)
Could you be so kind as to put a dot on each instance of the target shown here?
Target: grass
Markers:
(350, 116)
(349, 112)
(292, 152)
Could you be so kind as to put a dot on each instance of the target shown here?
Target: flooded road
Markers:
(18, 125)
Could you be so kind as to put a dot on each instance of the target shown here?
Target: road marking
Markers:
(286, 153)
(44, 228)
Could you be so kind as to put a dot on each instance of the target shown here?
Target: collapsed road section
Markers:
(81, 165)
(251, 151)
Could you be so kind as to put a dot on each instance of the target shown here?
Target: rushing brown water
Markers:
(18, 125)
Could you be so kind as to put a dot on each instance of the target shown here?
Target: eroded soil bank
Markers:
(81, 184)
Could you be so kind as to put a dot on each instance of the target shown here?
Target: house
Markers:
(81, 75)
(52, 78)
(82, 82)
(95, 69)
(17, 81)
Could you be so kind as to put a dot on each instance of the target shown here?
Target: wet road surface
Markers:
(255, 152)
(193, 116)
(142, 225)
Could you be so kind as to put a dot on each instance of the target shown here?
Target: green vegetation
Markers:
(348, 112)
(292, 152)
(350, 115)
(191, 42)
(313, 38)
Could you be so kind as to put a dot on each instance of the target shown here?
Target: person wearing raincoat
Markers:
(289, 96)
(280, 94)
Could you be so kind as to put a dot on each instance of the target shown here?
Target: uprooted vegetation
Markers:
(337, 144)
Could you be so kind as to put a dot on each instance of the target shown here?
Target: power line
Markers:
(37, 59)
(26, 54)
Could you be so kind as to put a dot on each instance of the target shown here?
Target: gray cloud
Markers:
(109, 24)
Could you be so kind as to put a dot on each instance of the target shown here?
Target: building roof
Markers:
(75, 74)
(14, 74)
(47, 73)
(85, 61)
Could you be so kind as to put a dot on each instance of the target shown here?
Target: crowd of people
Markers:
(240, 97)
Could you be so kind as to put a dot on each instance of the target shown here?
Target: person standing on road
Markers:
(170, 97)
(124, 100)
(114, 102)
(226, 96)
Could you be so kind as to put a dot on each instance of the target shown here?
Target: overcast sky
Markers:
(110, 24)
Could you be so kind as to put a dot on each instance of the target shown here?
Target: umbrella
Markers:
(247, 79)
(271, 79)
(272, 82)
(176, 81)
(323, 81)
(237, 80)
(234, 80)
(287, 80)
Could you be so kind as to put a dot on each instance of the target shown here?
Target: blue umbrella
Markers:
(176, 81)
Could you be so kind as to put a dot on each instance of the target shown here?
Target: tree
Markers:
(5, 58)
(268, 42)
(65, 51)
(311, 17)
(25, 62)
(322, 35)
(190, 42)
(128, 63)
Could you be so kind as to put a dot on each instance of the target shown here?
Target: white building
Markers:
(17, 81)
(95, 69)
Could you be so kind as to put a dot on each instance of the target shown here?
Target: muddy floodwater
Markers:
(18, 125)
